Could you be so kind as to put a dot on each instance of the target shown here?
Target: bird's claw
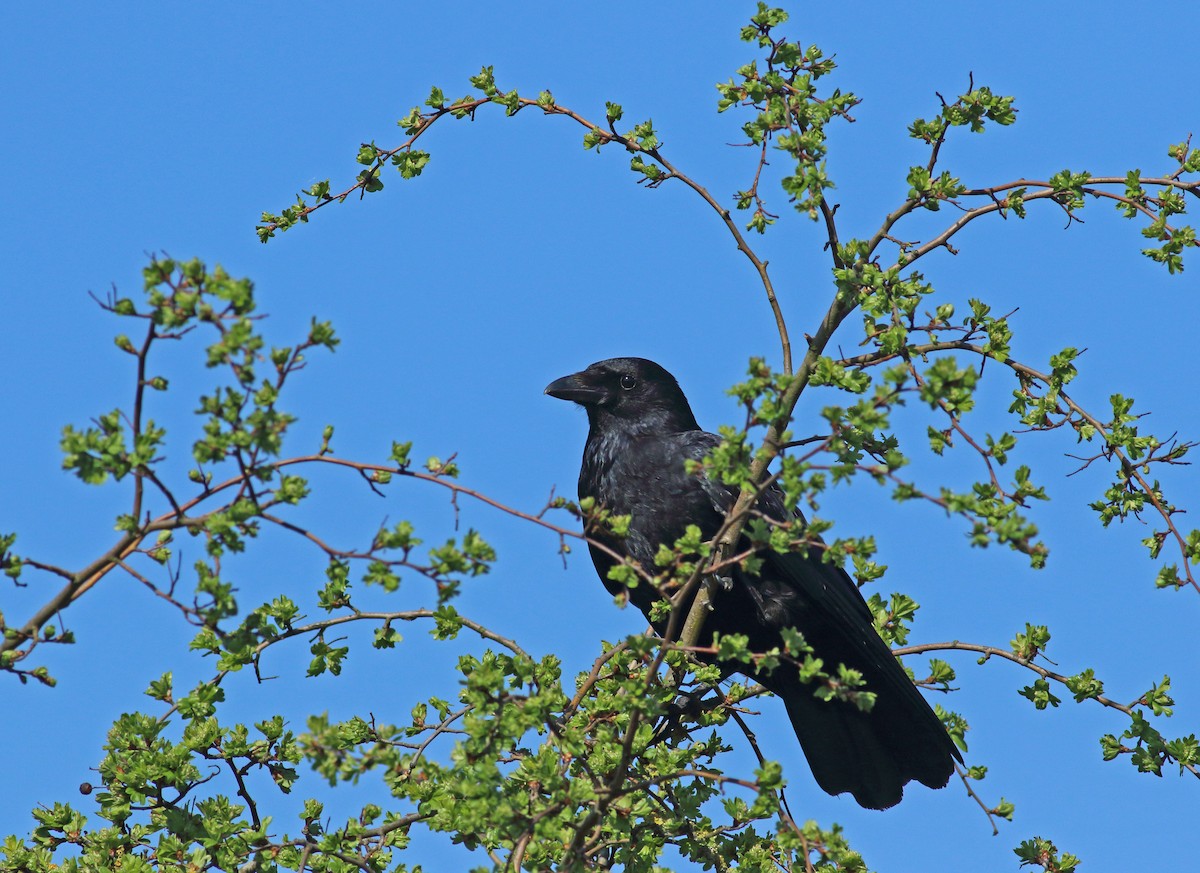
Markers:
(685, 707)
(719, 584)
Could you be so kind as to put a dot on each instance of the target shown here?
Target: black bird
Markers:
(641, 431)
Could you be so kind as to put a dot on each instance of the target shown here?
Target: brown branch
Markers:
(239, 777)
(739, 513)
(158, 592)
(760, 265)
(966, 781)
(967, 217)
(80, 582)
(1129, 466)
(471, 106)
(1008, 655)
(956, 424)
(409, 615)
(138, 400)
(831, 233)
(1161, 181)
(1049, 192)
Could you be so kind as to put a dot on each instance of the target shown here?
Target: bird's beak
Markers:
(575, 389)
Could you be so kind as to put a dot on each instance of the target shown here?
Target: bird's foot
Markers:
(719, 584)
(685, 708)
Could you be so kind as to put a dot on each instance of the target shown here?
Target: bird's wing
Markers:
(826, 585)
(817, 597)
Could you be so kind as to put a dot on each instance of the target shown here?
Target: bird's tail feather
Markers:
(869, 755)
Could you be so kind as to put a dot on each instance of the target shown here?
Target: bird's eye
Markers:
(628, 382)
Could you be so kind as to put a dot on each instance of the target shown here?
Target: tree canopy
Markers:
(339, 580)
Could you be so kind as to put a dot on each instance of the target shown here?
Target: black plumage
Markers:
(641, 432)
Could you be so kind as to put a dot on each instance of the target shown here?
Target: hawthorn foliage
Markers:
(531, 768)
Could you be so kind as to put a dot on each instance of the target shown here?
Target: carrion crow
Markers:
(641, 432)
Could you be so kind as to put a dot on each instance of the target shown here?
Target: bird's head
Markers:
(632, 394)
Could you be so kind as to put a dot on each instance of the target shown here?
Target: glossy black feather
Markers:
(641, 432)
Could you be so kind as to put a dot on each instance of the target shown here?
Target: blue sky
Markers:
(517, 258)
